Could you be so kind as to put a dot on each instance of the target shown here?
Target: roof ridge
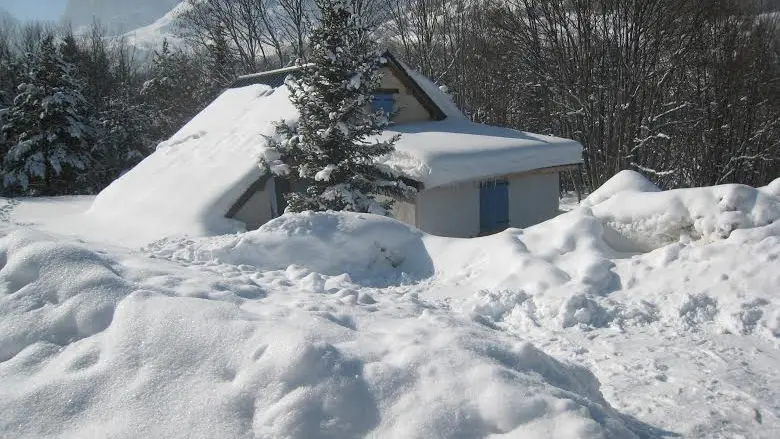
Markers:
(274, 71)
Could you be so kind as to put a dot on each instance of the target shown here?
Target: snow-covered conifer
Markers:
(220, 66)
(171, 91)
(333, 147)
(47, 129)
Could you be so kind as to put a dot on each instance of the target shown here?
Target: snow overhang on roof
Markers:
(457, 150)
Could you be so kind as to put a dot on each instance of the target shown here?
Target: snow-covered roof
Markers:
(273, 78)
(439, 153)
(194, 178)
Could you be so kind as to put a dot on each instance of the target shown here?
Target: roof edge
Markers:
(274, 71)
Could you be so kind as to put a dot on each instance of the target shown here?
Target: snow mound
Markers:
(370, 249)
(623, 181)
(772, 188)
(646, 221)
(584, 269)
(70, 293)
(84, 338)
(563, 273)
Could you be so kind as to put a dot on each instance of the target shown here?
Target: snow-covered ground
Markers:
(637, 314)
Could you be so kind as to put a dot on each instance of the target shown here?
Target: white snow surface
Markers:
(647, 315)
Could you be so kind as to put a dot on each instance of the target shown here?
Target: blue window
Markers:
(382, 102)
(493, 206)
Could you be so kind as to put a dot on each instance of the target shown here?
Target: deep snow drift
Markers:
(94, 346)
(647, 314)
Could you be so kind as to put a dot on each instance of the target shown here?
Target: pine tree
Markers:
(46, 129)
(333, 147)
(220, 66)
(172, 92)
(10, 76)
(122, 140)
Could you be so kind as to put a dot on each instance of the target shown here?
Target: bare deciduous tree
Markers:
(247, 25)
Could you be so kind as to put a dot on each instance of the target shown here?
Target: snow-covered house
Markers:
(473, 179)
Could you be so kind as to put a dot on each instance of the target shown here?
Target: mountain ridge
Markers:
(119, 16)
(7, 17)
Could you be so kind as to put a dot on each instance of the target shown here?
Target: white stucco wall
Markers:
(444, 211)
(449, 210)
(454, 210)
(258, 209)
(533, 199)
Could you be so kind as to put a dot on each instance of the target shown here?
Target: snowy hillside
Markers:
(150, 37)
(6, 18)
(118, 16)
(645, 315)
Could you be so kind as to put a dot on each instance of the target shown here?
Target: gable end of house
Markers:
(276, 78)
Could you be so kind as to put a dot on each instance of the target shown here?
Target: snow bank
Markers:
(187, 186)
(350, 325)
(772, 188)
(562, 273)
(623, 181)
(642, 222)
(70, 293)
(639, 217)
(629, 261)
(370, 249)
(91, 346)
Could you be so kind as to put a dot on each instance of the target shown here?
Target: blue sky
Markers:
(34, 9)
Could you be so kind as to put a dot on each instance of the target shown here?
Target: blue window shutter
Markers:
(382, 102)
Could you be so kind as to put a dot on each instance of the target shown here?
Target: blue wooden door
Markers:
(493, 206)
